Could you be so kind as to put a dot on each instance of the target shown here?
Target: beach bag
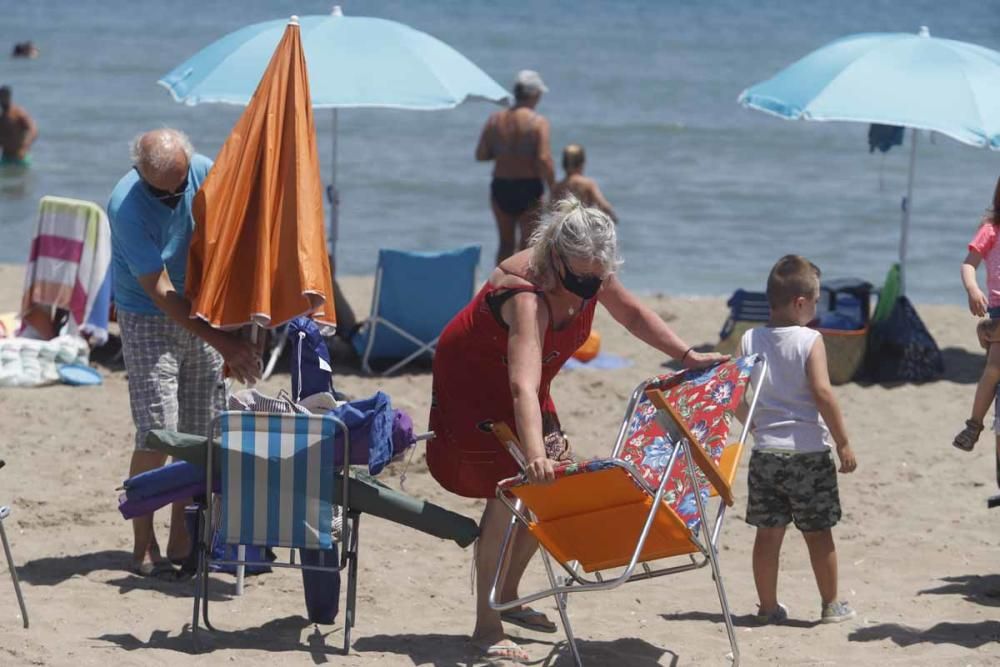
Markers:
(310, 362)
(901, 349)
(321, 588)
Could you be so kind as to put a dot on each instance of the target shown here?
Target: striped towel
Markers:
(277, 479)
(69, 264)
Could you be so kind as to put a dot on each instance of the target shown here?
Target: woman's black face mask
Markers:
(585, 287)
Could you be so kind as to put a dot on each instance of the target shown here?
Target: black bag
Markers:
(900, 349)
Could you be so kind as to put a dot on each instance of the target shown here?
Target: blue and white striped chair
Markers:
(278, 481)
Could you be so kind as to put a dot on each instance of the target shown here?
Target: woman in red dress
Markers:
(495, 361)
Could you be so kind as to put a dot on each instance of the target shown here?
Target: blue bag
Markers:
(310, 362)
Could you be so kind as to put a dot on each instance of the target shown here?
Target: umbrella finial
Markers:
(337, 11)
(294, 20)
(925, 31)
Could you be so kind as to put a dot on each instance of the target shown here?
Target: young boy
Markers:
(576, 184)
(792, 475)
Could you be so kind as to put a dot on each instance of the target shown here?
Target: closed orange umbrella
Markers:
(258, 252)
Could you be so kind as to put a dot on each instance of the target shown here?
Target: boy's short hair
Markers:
(573, 157)
(791, 277)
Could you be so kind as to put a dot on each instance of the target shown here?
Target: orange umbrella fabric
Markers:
(258, 251)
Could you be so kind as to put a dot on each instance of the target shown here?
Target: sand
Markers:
(917, 545)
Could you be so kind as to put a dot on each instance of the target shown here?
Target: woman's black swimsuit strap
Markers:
(498, 297)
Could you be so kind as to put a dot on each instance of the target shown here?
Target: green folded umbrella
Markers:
(367, 494)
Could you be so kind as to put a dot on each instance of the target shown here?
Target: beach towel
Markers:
(25, 362)
(68, 266)
(604, 361)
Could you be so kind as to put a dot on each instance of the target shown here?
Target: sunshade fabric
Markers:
(912, 80)
(258, 253)
(356, 61)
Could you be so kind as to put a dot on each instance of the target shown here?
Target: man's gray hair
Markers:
(156, 151)
(574, 231)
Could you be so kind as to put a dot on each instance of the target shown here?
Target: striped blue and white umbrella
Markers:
(909, 80)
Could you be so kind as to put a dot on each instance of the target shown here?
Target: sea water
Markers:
(710, 194)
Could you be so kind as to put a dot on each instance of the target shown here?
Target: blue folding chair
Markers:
(416, 295)
(278, 477)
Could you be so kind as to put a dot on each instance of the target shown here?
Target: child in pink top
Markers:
(984, 246)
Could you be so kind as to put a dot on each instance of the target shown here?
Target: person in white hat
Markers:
(517, 141)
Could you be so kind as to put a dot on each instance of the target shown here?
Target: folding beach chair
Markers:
(4, 513)
(416, 295)
(277, 490)
(746, 311)
(648, 501)
(68, 275)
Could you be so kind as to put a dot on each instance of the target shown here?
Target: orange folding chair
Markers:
(648, 501)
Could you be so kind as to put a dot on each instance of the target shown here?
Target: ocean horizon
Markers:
(709, 194)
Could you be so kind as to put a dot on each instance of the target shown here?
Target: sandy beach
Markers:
(917, 545)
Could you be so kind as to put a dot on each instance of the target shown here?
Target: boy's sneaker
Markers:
(779, 615)
(837, 612)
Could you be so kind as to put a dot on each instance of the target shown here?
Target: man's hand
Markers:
(847, 461)
(540, 470)
(977, 303)
(241, 356)
(703, 359)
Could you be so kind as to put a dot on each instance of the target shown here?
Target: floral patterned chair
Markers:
(649, 500)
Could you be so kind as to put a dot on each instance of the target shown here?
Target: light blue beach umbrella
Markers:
(353, 62)
(915, 81)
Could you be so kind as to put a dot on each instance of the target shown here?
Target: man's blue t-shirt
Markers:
(147, 235)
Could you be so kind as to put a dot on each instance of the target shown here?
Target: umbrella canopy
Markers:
(258, 250)
(915, 81)
(356, 61)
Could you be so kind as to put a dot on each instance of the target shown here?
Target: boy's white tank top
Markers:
(786, 418)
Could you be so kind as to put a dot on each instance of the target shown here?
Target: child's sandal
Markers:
(967, 438)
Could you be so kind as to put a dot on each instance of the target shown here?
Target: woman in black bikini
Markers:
(517, 139)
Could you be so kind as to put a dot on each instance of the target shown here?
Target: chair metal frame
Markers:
(348, 537)
(4, 513)
(707, 545)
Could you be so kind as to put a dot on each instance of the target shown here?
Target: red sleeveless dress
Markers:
(471, 387)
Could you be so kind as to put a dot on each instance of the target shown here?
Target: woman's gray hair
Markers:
(156, 151)
(573, 231)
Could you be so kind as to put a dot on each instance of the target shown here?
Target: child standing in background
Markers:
(792, 475)
(576, 184)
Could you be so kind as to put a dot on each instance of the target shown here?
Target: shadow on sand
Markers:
(277, 636)
(744, 621)
(984, 590)
(969, 635)
(435, 650)
(54, 570)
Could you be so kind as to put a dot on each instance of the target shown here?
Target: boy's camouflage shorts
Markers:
(793, 487)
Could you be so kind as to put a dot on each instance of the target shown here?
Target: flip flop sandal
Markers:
(529, 619)
(161, 569)
(503, 650)
(967, 438)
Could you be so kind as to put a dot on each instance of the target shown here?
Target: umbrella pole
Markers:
(907, 207)
(333, 196)
(241, 550)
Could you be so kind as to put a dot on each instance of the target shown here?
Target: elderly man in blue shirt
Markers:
(174, 361)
